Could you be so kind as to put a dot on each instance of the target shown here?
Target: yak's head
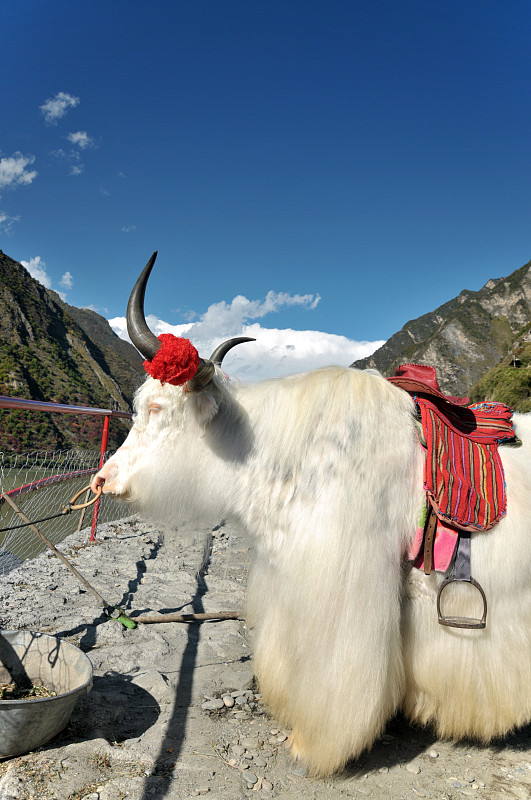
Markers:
(173, 435)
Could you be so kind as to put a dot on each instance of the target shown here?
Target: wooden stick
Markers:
(82, 515)
(148, 619)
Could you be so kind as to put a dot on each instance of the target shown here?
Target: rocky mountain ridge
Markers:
(465, 337)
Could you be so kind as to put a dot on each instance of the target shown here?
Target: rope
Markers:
(67, 509)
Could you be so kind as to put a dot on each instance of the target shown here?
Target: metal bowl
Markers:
(46, 661)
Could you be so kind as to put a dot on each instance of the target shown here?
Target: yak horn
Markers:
(206, 370)
(143, 339)
(221, 350)
(147, 343)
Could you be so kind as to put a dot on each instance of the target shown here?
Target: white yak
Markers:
(325, 471)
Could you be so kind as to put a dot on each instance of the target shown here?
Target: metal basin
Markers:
(46, 661)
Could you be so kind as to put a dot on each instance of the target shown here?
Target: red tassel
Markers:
(175, 362)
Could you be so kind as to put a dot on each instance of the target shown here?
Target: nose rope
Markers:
(66, 509)
(78, 506)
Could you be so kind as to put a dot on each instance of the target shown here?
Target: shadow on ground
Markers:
(402, 742)
(115, 710)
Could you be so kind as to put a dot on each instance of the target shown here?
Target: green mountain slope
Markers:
(50, 351)
(510, 380)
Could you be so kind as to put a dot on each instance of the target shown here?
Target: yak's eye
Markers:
(154, 408)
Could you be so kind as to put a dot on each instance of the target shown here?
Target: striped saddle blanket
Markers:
(463, 473)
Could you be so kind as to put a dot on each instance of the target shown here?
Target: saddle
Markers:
(463, 478)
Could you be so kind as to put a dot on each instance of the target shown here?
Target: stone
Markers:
(213, 705)
(249, 743)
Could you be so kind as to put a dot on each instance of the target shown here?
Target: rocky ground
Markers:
(174, 712)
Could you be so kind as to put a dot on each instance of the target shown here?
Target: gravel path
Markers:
(174, 712)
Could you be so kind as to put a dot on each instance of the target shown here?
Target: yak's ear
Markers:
(205, 406)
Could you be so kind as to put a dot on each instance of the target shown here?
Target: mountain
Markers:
(115, 356)
(510, 380)
(469, 336)
(54, 352)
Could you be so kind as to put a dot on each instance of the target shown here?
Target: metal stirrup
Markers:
(460, 571)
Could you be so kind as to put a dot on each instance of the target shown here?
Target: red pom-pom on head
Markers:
(176, 361)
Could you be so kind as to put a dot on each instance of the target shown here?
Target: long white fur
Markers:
(325, 470)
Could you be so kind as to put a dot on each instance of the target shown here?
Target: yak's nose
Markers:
(107, 477)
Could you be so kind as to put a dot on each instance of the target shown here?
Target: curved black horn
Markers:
(147, 343)
(143, 339)
(221, 350)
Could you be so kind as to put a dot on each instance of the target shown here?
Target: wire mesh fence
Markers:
(41, 483)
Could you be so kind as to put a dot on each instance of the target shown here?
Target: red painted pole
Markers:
(103, 451)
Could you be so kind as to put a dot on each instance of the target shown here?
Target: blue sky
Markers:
(339, 167)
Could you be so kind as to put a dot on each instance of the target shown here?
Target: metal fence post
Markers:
(103, 451)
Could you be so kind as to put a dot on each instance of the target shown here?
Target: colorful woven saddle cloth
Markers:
(463, 474)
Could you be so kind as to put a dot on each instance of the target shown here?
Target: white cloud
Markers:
(222, 319)
(13, 170)
(56, 107)
(81, 139)
(275, 352)
(128, 228)
(72, 160)
(67, 281)
(97, 309)
(7, 222)
(37, 269)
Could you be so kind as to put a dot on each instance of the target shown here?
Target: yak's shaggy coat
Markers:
(325, 470)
